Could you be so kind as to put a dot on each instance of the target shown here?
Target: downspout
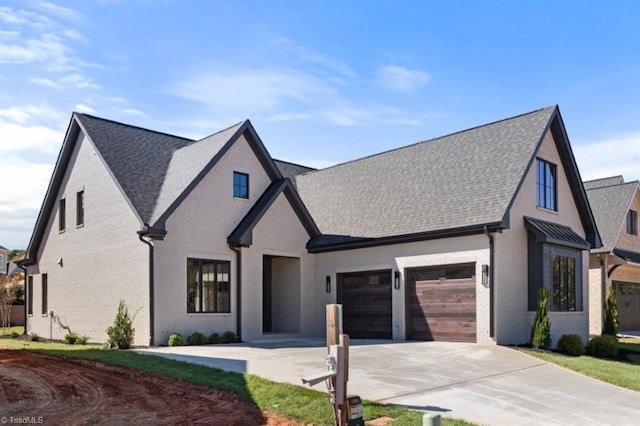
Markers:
(491, 284)
(26, 299)
(151, 291)
(238, 251)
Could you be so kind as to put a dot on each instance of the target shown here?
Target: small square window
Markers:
(240, 185)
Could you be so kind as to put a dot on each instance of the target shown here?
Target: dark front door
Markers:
(366, 304)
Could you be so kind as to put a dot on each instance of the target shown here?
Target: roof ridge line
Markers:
(220, 131)
(431, 140)
(131, 125)
(636, 182)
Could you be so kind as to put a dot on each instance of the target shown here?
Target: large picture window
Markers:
(546, 184)
(563, 281)
(208, 286)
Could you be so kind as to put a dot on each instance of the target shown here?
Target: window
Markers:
(80, 208)
(62, 213)
(208, 288)
(240, 185)
(45, 283)
(632, 222)
(30, 295)
(563, 292)
(546, 184)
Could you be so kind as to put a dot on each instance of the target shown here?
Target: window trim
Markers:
(62, 215)
(546, 181)
(241, 189)
(45, 295)
(80, 209)
(198, 310)
(632, 222)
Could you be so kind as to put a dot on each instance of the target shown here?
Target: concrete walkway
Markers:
(490, 385)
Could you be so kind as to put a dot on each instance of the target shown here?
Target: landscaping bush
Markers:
(175, 340)
(33, 336)
(541, 330)
(605, 346)
(70, 338)
(571, 344)
(196, 338)
(121, 332)
(229, 337)
(82, 340)
(15, 334)
(214, 338)
(611, 323)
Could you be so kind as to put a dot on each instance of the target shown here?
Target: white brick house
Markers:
(447, 239)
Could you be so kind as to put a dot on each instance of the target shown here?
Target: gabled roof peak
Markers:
(107, 120)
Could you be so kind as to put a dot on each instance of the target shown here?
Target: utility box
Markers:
(354, 411)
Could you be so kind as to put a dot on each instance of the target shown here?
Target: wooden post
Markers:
(334, 324)
(342, 409)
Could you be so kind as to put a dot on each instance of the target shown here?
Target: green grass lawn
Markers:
(294, 402)
(623, 371)
(17, 329)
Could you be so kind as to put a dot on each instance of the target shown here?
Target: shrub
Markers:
(611, 323)
(541, 331)
(175, 340)
(82, 340)
(196, 338)
(571, 344)
(215, 338)
(121, 332)
(15, 334)
(229, 337)
(70, 338)
(33, 336)
(605, 346)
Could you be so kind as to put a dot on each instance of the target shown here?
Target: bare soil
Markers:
(53, 390)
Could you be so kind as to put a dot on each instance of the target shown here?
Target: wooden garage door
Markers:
(366, 304)
(442, 303)
(628, 301)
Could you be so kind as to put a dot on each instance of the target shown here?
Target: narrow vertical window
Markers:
(632, 222)
(62, 215)
(45, 284)
(80, 208)
(240, 185)
(30, 295)
(546, 184)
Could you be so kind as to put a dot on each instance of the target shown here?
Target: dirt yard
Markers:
(52, 390)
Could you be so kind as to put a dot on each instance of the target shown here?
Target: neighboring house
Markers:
(3, 261)
(448, 239)
(615, 205)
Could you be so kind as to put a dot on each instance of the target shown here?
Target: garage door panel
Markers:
(443, 309)
(366, 304)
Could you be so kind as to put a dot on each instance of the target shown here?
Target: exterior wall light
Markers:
(485, 275)
(328, 284)
(396, 280)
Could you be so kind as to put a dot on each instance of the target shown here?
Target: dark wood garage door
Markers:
(442, 303)
(366, 304)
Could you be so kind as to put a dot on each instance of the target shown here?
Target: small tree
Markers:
(9, 290)
(121, 332)
(541, 331)
(611, 324)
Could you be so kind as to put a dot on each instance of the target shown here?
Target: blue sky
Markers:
(322, 81)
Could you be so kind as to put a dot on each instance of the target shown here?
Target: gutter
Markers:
(238, 250)
(491, 282)
(151, 235)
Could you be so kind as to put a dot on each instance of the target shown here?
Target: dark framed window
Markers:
(30, 295)
(632, 222)
(45, 284)
(240, 185)
(80, 208)
(546, 184)
(208, 286)
(62, 215)
(563, 283)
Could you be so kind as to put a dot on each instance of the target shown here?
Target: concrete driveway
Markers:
(484, 384)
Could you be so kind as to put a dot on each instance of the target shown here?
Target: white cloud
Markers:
(79, 81)
(400, 79)
(84, 108)
(20, 137)
(25, 113)
(60, 11)
(619, 155)
(43, 82)
(134, 112)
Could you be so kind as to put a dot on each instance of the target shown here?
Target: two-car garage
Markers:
(440, 303)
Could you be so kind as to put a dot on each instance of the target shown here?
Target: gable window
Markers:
(208, 286)
(45, 284)
(80, 208)
(62, 213)
(546, 184)
(30, 295)
(632, 222)
(240, 185)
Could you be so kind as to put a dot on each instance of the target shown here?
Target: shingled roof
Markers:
(466, 178)
(610, 204)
